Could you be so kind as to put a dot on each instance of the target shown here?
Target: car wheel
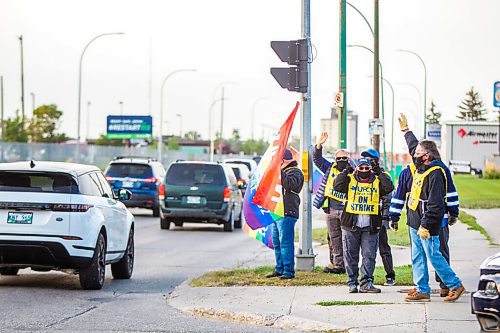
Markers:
(123, 269)
(164, 223)
(229, 224)
(156, 211)
(92, 277)
(9, 271)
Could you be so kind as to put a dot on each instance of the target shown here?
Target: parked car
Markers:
(64, 216)
(251, 164)
(140, 175)
(242, 175)
(486, 301)
(464, 167)
(200, 192)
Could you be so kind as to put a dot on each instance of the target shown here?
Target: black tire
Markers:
(123, 269)
(179, 224)
(239, 221)
(229, 224)
(156, 211)
(92, 277)
(164, 223)
(9, 271)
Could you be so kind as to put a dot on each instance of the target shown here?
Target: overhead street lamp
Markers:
(221, 85)
(80, 88)
(160, 134)
(253, 113)
(425, 88)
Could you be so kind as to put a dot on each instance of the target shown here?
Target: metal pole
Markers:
(210, 125)
(221, 124)
(150, 77)
(2, 124)
(305, 256)
(80, 90)
(376, 75)
(32, 102)
(180, 124)
(342, 111)
(88, 121)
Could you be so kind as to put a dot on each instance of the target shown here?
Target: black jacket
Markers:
(348, 220)
(431, 206)
(292, 181)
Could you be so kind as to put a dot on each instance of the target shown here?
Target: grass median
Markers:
(256, 277)
(476, 192)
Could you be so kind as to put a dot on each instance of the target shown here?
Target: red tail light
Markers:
(70, 208)
(150, 180)
(227, 194)
(161, 192)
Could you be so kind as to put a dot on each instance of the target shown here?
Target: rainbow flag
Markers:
(264, 235)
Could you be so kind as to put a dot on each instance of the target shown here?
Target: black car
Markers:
(201, 192)
(140, 175)
(485, 301)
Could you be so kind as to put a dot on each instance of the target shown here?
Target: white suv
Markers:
(63, 216)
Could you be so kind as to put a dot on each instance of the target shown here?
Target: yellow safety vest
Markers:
(417, 184)
(363, 198)
(329, 191)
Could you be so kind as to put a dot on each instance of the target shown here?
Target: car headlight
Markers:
(491, 289)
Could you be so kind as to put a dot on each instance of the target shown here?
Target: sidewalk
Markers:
(294, 308)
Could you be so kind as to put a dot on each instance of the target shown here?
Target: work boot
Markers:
(287, 277)
(369, 288)
(415, 296)
(443, 292)
(454, 294)
(328, 269)
(273, 274)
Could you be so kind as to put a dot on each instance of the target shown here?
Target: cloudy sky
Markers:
(228, 41)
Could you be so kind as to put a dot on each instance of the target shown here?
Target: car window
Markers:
(195, 174)
(104, 185)
(89, 186)
(237, 172)
(50, 182)
(129, 170)
(248, 164)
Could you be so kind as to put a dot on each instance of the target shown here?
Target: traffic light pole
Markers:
(305, 256)
(376, 75)
(342, 111)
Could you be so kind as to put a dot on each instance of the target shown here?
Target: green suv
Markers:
(200, 192)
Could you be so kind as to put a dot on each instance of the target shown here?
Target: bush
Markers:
(492, 175)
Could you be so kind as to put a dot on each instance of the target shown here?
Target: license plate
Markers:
(193, 200)
(20, 218)
(127, 184)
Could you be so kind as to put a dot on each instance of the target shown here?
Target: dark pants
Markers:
(354, 241)
(385, 253)
(335, 238)
(444, 237)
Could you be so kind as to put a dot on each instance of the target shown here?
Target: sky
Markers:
(229, 41)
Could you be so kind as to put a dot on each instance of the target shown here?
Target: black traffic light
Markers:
(295, 53)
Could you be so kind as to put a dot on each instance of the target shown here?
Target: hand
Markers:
(403, 123)
(394, 218)
(322, 139)
(377, 170)
(393, 225)
(349, 168)
(423, 233)
(452, 220)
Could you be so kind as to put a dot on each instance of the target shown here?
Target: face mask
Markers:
(341, 165)
(364, 174)
(419, 161)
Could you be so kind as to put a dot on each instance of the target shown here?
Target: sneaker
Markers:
(415, 296)
(443, 292)
(454, 294)
(369, 288)
(390, 282)
(273, 274)
(287, 277)
(353, 289)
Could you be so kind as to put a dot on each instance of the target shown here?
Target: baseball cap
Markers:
(364, 160)
(371, 153)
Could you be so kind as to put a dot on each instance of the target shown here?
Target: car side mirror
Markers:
(124, 195)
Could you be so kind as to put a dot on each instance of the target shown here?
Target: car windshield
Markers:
(237, 172)
(12, 181)
(185, 174)
(129, 170)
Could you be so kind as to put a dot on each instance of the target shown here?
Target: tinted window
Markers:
(237, 172)
(37, 182)
(232, 177)
(195, 174)
(88, 186)
(129, 170)
(244, 163)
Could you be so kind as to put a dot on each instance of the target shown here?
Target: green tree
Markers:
(45, 122)
(258, 147)
(472, 107)
(433, 117)
(104, 141)
(192, 135)
(235, 141)
(173, 143)
(14, 129)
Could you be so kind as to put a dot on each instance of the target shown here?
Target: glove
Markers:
(452, 220)
(377, 170)
(423, 233)
(403, 122)
(394, 218)
(348, 169)
(393, 225)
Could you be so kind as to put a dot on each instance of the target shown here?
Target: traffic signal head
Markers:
(295, 53)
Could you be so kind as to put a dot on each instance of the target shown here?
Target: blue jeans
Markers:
(423, 249)
(354, 241)
(283, 240)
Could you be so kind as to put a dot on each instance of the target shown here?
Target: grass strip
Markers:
(256, 277)
(347, 303)
(472, 224)
(477, 192)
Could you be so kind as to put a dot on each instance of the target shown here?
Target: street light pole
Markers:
(210, 124)
(88, 121)
(342, 111)
(425, 88)
(180, 124)
(160, 134)
(376, 75)
(80, 88)
(221, 124)
(2, 112)
(22, 78)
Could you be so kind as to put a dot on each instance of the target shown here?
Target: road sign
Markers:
(338, 101)
(129, 127)
(376, 126)
(496, 94)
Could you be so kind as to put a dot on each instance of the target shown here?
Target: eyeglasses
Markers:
(343, 158)
(421, 152)
(364, 168)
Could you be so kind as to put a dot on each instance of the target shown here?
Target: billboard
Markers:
(129, 127)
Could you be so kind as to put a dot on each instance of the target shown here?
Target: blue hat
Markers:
(364, 160)
(287, 155)
(371, 153)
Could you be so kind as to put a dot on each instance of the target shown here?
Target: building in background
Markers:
(331, 126)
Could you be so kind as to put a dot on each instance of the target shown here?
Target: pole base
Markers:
(305, 262)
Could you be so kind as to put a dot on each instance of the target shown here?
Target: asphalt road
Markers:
(53, 301)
